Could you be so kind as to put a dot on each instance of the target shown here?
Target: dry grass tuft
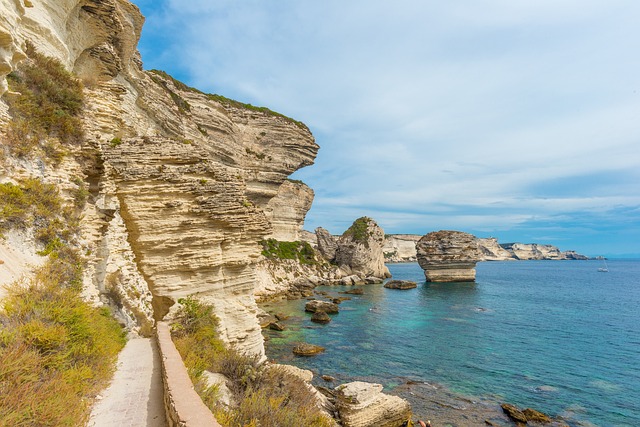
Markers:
(56, 353)
(47, 111)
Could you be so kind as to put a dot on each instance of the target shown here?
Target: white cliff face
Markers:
(400, 247)
(187, 183)
(287, 210)
(491, 250)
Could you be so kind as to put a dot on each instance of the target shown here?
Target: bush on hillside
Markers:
(56, 352)
(47, 108)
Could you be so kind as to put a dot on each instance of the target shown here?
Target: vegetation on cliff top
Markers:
(359, 230)
(224, 100)
(46, 110)
(263, 396)
(300, 251)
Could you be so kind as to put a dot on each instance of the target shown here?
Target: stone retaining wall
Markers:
(183, 406)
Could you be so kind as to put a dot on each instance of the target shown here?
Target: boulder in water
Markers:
(448, 256)
(319, 305)
(320, 317)
(305, 349)
(400, 284)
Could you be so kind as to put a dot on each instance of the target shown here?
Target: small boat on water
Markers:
(604, 269)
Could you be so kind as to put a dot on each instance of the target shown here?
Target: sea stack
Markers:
(448, 256)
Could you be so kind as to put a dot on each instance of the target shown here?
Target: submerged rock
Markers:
(400, 284)
(363, 404)
(514, 413)
(281, 316)
(356, 291)
(276, 326)
(533, 415)
(448, 256)
(319, 305)
(305, 349)
(320, 317)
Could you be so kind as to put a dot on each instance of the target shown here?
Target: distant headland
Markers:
(402, 248)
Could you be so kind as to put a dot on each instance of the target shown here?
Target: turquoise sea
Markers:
(557, 336)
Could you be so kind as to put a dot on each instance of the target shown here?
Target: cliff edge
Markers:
(182, 184)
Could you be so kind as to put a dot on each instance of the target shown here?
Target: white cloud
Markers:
(438, 108)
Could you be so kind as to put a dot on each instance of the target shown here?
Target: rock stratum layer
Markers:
(448, 256)
(185, 184)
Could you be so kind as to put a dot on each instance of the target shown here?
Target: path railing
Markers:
(183, 405)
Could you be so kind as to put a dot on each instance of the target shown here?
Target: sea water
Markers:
(558, 336)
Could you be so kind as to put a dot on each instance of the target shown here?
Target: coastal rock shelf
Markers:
(448, 256)
(363, 404)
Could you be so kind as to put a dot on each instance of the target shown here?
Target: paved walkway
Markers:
(135, 396)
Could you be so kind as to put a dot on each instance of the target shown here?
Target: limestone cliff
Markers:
(400, 247)
(183, 184)
(535, 251)
(491, 250)
(448, 256)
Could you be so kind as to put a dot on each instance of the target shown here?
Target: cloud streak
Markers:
(495, 117)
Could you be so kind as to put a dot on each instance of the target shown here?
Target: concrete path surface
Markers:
(135, 396)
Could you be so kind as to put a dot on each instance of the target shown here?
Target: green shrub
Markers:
(56, 353)
(265, 397)
(300, 251)
(33, 203)
(80, 194)
(359, 230)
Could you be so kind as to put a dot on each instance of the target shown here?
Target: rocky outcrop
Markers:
(360, 249)
(514, 413)
(363, 404)
(448, 256)
(327, 244)
(400, 247)
(354, 258)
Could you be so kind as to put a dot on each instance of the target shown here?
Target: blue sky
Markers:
(513, 119)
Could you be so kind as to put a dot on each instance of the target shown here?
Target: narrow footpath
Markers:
(135, 396)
